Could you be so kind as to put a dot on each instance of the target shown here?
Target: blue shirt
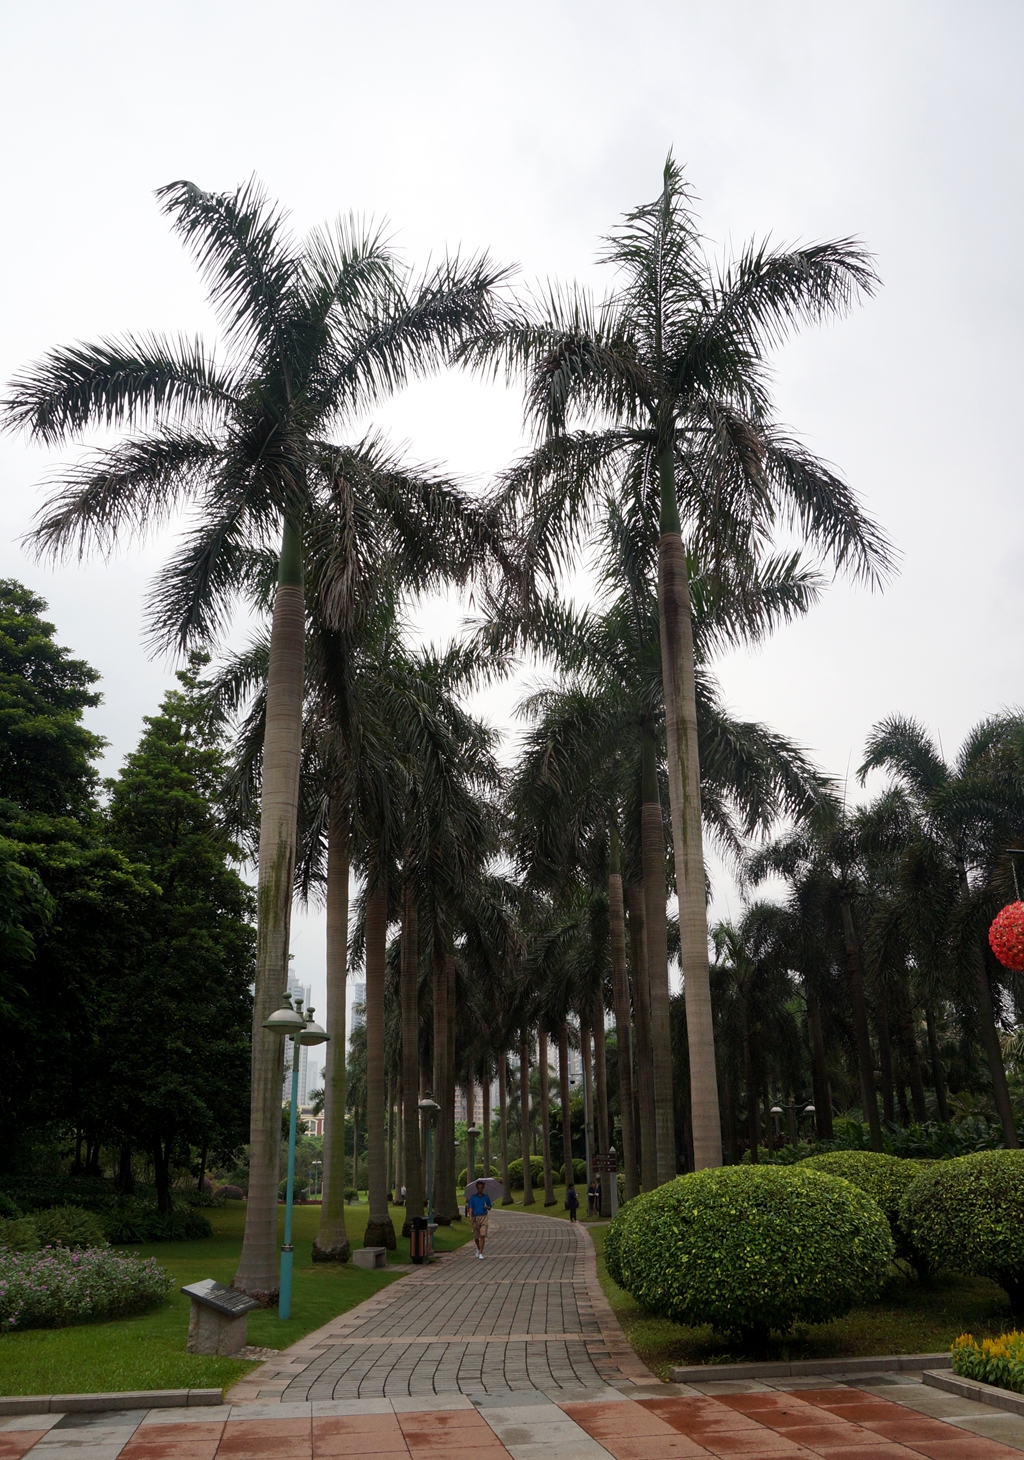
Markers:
(479, 1204)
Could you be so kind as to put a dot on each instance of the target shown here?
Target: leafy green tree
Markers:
(176, 1015)
(46, 753)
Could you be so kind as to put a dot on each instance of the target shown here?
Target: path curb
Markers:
(123, 1399)
(974, 1389)
(887, 1363)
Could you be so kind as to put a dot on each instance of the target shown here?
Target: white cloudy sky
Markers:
(527, 130)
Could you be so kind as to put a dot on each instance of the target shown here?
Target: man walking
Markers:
(477, 1207)
(572, 1201)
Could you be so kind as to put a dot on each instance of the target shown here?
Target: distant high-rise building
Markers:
(305, 993)
(358, 1005)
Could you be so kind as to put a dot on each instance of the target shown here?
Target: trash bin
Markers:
(419, 1240)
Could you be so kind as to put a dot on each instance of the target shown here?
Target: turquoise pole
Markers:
(284, 1299)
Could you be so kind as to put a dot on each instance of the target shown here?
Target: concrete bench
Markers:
(371, 1257)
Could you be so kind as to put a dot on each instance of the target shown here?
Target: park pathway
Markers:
(530, 1316)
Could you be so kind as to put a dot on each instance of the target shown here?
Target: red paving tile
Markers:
(190, 1433)
(966, 1447)
(362, 1442)
(911, 1429)
(442, 1419)
(883, 1451)
(15, 1443)
(755, 1444)
(356, 1424)
(688, 1416)
(623, 1418)
(177, 1449)
(654, 1447)
(817, 1436)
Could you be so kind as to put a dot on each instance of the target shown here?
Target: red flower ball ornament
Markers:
(1006, 936)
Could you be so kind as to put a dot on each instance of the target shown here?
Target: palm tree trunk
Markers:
(865, 1061)
(355, 1146)
(440, 1077)
(257, 1272)
(917, 1099)
(990, 1035)
(623, 1033)
(938, 1074)
(652, 841)
(644, 1053)
(545, 1116)
(399, 1140)
(753, 1124)
(524, 1112)
(601, 1079)
(380, 1231)
(507, 1198)
(452, 1206)
(819, 1067)
(331, 1242)
(586, 1056)
(391, 1136)
(410, 998)
(885, 1057)
(563, 1095)
(677, 669)
(485, 1102)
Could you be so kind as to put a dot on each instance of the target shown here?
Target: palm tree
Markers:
(965, 815)
(667, 377)
(312, 333)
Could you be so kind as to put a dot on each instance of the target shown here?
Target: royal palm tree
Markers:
(313, 333)
(659, 395)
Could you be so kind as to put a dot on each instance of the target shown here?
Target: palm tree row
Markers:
(655, 443)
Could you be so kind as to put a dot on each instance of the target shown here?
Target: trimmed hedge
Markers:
(998, 1361)
(579, 1172)
(884, 1178)
(515, 1173)
(967, 1215)
(750, 1248)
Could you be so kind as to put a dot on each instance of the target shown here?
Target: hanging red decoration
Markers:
(1006, 936)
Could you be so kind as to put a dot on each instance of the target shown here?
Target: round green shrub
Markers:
(884, 1178)
(463, 1175)
(967, 1215)
(515, 1173)
(351, 1194)
(750, 1248)
(18, 1234)
(69, 1227)
(579, 1172)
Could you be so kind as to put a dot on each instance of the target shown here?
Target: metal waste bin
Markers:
(419, 1240)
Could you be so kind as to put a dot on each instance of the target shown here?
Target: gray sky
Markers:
(528, 130)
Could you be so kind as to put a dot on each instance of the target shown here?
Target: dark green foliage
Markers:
(750, 1249)
(46, 753)
(138, 1221)
(463, 1175)
(515, 1173)
(884, 1178)
(967, 1216)
(579, 1171)
(19, 1234)
(69, 1227)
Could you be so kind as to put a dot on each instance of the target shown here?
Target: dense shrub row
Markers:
(59, 1286)
(127, 1221)
(751, 1248)
(515, 1173)
(463, 1175)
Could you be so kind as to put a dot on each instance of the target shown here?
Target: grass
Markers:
(148, 1352)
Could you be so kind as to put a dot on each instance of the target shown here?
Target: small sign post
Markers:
(217, 1321)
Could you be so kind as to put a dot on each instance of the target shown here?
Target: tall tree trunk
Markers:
(391, 1136)
(545, 1116)
(913, 1057)
(257, 1272)
(161, 1173)
(470, 1094)
(331, 1242)
(454, 1205)
(355, 1146)
(380, 1231)
(202, 1168)
(644, 1052)
(938, 1074)
(485, 1101)
(507, 1198)
(819, 1067)
(439, 983)
(753, 1122)
(587, 1058)
(623, 1031)
(409, 976)
(865, 1060)
(652, 840)
(885, 1057)
(677, 669)
(524, 1113)
(125, 1176)
(399, 1138)
(601, 1079)
(990, 1036)
(563, 1094)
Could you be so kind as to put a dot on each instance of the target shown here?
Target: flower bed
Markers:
(998, 1361)
(58, 1286)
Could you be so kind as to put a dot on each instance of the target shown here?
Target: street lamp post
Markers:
(302, 1029)
(428, 1106)
(471, 1135)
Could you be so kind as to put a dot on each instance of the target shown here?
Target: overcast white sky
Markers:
(528, 130)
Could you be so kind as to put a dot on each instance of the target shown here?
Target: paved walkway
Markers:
(530, 1316)
(518, 1357)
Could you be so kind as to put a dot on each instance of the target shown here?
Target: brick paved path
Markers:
(530, 1316)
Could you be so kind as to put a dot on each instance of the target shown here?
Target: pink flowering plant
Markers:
(58, 1286)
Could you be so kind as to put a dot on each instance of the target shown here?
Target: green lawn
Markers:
(148, 1352)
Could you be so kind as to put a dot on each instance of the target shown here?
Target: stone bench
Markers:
(218, 1318)
(371, 1257)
